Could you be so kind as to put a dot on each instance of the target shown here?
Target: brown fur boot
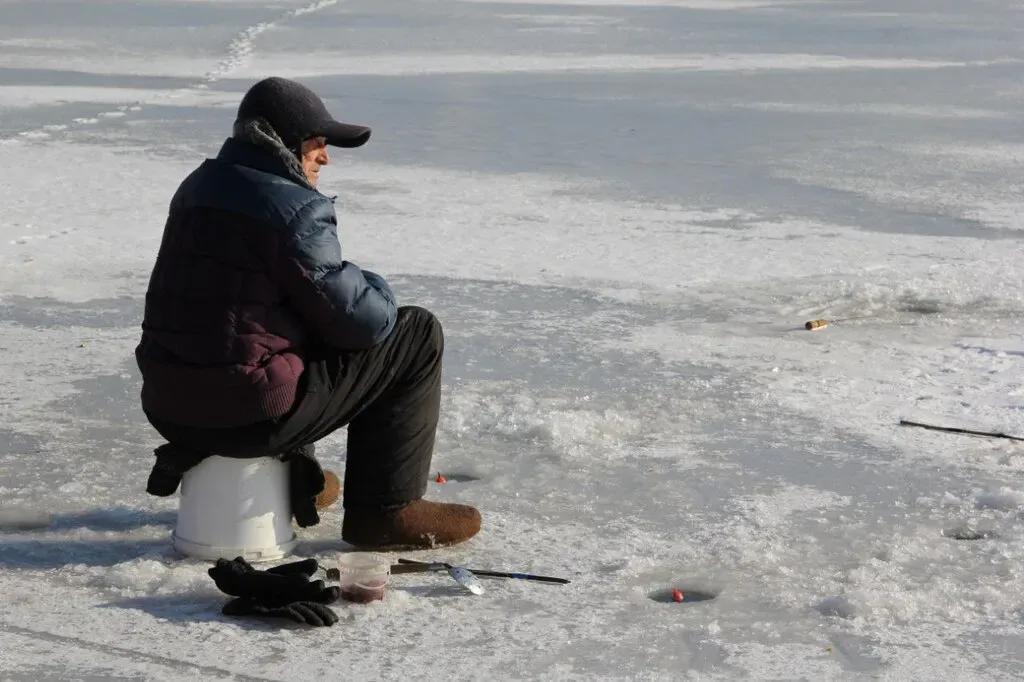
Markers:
(417, 525)
(331, 492)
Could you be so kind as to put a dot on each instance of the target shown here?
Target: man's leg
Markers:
(392, 429)
(389, 396)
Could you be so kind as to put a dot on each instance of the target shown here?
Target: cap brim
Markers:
(346, 135)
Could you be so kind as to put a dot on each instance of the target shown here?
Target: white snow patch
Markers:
(42, 364)
(326, 63)
(724, 5)
(515, 414)
(763, 511)
(1004, 499)
(874, 109)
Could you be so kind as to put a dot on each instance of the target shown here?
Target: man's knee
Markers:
(424, 325)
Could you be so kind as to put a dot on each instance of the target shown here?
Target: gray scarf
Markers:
(259, 132)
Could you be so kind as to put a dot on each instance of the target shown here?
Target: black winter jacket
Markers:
(249, 279)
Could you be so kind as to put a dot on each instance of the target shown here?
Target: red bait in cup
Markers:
(363, 577)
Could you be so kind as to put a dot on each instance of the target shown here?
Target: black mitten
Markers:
(278, 586)
(310, 613)
(172, 462)
(305, 482)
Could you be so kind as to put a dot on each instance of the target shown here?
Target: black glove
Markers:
(308, 612)
(282, 591)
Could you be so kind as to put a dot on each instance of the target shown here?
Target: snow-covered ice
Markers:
(623, 212)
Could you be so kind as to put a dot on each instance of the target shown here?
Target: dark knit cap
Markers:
(297, 114)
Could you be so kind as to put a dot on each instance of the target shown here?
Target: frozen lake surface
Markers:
(623, 213)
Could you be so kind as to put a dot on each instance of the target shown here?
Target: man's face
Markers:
(314, 155)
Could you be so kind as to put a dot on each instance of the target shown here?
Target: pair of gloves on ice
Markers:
(285, 591)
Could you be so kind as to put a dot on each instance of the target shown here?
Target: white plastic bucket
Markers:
(235, 507)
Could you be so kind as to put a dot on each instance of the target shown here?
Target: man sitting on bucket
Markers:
(259, 339)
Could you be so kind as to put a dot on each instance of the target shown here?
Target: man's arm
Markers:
(345, 307)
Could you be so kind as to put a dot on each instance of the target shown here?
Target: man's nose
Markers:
(325, 158)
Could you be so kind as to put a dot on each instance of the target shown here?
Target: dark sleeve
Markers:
(343, 306)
